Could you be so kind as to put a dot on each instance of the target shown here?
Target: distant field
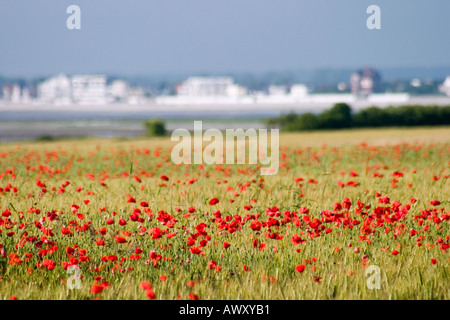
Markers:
(311, 139)
(140, 227)
(370, 136)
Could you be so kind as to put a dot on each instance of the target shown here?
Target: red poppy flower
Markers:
(296, 239)
(213, 201)
(150, 294)
(120, 239)
(130, 199)
(155, 232)
(192, 296)
(190, 283)
(435, 202)
(211, 264)
(300, 268)
(317, 279)
(99, 288)
(145, 285)
(196, 250)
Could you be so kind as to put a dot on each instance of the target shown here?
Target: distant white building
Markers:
(299, 90)
(207, 90)
(415, 82)
(236, 91)
(86, 90)
(277, 90)
(136, 96)
(89, 89)
(26, 96)
(445, 87)
(365, 81)
(118, 91)
(209, 87)
(7, 91)
(56, 90)
(16, 95)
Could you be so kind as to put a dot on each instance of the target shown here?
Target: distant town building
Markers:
(209, 87)
(415, 83)
(299, 90)
(118, 91)
(445, 87)
(7, 92)
(342, 86)
(136, 96)
(13, 93)
(235, 90)
(365, 81)
(26, 96)
(16, 94)
(56, 90)
(89, 89)
(84, 89)
(277, 90)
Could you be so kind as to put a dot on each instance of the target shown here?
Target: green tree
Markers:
(339, 116)
(155, 127)
(307, 121)
(370, 117)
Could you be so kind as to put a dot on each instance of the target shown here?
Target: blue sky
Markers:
(145, 37)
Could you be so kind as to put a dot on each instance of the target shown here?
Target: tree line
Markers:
(340, 116)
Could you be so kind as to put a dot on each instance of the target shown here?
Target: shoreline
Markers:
(152, 107)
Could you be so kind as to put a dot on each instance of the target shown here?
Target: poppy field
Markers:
(136, 226)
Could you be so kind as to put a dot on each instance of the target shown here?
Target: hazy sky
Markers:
(144, 37)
